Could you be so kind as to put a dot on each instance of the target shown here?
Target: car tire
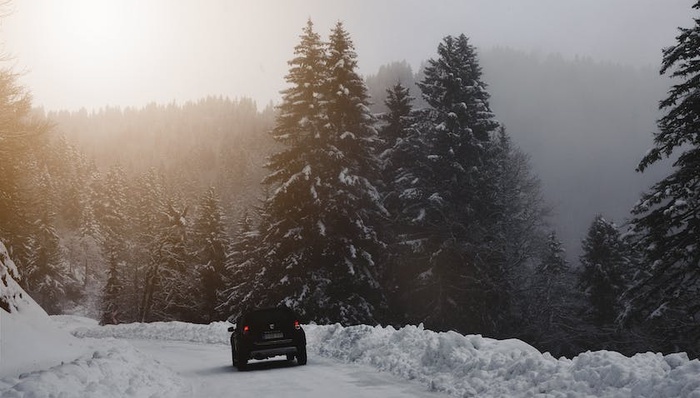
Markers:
(290, 357)
(301, 356)
(241, 362)
(233, 357)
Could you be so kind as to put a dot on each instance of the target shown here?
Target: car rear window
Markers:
(267, 316)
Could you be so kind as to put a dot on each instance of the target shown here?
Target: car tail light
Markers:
(297, 326)
(246, 329)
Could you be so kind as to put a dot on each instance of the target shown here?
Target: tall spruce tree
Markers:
(112, 303)
(112, 213)
(211, 248)
(168, 291)
(665, 295)
(547, 311)
(513, 224)
(146, 208)
(21, 134)
(404, 165)
(46, 276)
(318, 233)
(241, 277)
(455, 290)
(605, 261)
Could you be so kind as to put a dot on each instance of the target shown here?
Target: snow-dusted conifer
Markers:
(112, 213)
(45, 275)
(146, 207)
(112, 300)
(318, 229)
(244, 271)
(10, 291)
(665, 290)
(168, 290)
(21, 133)
(455, 287)
(211, 248)
(404, 174)
(605, 261)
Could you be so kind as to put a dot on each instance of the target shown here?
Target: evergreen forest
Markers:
(397, 198)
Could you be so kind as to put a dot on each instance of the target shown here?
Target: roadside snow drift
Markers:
(465, 365)
(40, 359)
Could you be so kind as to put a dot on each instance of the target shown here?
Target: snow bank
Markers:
(28, 338)
(214, 333)
(117, 371)
(465, 365)
(40, 358)
(476, 366)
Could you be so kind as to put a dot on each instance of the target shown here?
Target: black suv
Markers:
(267, 333)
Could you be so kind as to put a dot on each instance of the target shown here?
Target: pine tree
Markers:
(114, 224)
(10, 292)
(168, 292)
(666, 220)
(548, 311)
(241, 276)
(46, 276)
(514, 226)
(318, 227)
(21, 133)
(112, 297)
(147, 207)
(605, 261)
(211, 248)
(455, 289)
(403, 164)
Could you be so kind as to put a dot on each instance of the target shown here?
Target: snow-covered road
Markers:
(176, 359)
(206, 371)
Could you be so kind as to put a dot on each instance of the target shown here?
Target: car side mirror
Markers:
(232, 328)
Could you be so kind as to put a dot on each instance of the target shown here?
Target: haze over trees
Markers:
(421, 208)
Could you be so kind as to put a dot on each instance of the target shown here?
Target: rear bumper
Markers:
(272, 352)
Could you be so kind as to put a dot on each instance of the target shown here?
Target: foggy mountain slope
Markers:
(585, 124)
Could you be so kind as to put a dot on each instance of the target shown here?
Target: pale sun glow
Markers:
(99, 33)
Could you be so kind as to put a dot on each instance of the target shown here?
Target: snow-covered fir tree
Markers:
(514, 222)
(112, 302)
(211, 248)
(21, 134)
(548, 309)
(665, 294)
(404, 166)
(111, 211)
(146, 207)
(45, 276)
(605, 260)
(454, 289)
(319, 227)
(10, 292)
(241, 271)
(168, 292)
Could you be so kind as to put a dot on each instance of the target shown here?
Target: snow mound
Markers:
(38, 355)
(118, 371)
(477, 366)
(213, 333)
(29, 340)
(464, 365)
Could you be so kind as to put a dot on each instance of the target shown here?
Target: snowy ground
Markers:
(179, 359)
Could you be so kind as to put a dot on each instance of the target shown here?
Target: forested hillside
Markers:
(429, 209)
(584, 125)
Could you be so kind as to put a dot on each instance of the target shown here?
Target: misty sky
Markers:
(92, 53)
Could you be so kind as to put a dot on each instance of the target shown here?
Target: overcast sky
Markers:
(92, 53)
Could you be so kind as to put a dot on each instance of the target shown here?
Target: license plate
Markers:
(272, 335)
